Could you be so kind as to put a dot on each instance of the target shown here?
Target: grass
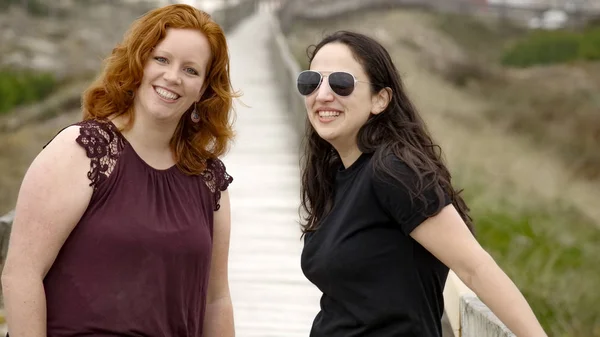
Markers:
(22, 87)
(552, 254)
(554, 47)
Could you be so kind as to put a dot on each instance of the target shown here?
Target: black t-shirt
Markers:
(376, 280)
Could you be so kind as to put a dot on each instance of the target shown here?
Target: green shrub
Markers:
(544, 48)
(549, 47)
(590, 45)
(551, 253)
(18, 88)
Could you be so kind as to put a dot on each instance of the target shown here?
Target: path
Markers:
(271, 296)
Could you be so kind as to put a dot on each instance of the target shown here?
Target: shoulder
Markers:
(61, 156)
(217, 179)
(388, 168)
(100, 141)
(64, 144)
(403, 175)
(98, 133)
(217, 172)
(409, 193)
(393, 179)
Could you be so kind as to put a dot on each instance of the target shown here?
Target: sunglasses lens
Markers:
(341, 83)
(308, 82)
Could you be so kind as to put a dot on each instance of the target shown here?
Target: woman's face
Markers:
(174, 75)
(337, 118)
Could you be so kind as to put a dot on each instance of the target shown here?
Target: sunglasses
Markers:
(340, 82)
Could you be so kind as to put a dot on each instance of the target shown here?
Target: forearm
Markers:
(218, 320)
(25, 306)
(504, 299)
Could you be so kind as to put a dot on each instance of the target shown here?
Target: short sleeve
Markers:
(217, 179)
(103, 145)
(406, 200)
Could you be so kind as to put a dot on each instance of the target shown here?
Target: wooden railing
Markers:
(5, 226)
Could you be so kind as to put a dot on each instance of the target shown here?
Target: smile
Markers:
(166, 94)
(328, 114)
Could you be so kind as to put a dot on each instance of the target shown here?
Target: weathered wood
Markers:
(5, 227)
(478, 321)
(271, 296)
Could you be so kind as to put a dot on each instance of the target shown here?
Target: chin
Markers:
(165, 116)
(327, 135)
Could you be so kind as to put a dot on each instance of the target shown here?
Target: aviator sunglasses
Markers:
(340, 82)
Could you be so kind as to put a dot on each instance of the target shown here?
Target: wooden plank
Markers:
(271, 296)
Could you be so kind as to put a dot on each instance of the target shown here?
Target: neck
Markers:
(349, 154)
(147, 135)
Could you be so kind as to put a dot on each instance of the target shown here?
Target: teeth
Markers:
(329, 113)
(166, 94)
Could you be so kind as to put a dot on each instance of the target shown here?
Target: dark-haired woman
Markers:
(384, 223)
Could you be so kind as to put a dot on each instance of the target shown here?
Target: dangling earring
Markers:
(195, 115)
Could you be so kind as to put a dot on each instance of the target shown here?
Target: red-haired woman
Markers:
(122, 221)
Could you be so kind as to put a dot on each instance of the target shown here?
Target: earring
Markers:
(195, 115)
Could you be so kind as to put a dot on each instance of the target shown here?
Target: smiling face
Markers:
(337, 119)
(174, 75)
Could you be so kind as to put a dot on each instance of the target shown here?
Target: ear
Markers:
(381, 100)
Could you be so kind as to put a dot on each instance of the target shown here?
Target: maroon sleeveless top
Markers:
(138, 261)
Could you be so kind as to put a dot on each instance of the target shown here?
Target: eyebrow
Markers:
(160, 51)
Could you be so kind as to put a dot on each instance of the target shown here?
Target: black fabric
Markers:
(376, 280)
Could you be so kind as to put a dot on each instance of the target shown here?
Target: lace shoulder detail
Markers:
(103, 145)
(217, 179)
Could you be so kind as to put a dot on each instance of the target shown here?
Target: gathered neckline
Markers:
(136, 154)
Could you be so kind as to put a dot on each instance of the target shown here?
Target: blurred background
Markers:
(509, 88)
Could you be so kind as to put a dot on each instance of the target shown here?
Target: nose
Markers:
(324, 93)
(171, 75)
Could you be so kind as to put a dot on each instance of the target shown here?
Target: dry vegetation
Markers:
(556, 106)
(534, 211)
(19, 148)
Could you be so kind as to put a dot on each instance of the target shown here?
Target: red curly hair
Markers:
(112, 92)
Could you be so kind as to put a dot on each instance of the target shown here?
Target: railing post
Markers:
(5, 228)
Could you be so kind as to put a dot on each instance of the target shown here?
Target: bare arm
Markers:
(218, 320)
(54, 194)
(446, 236)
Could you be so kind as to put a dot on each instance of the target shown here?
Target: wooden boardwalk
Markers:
(271, 296)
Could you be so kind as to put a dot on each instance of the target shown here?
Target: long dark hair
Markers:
(398, 130)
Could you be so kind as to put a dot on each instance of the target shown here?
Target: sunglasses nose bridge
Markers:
(324, 91)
